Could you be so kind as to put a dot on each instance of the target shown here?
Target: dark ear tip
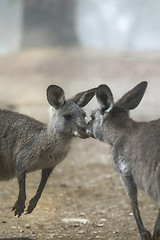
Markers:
(83, 98)
(53, 87)
(54, 90)
(142, 86)
(49, 88)
(144, 83)
(92, 92)
(103, 88)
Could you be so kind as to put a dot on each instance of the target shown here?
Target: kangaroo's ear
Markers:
(55, 96)
(104, 98)
(132, 98)
(81, 99)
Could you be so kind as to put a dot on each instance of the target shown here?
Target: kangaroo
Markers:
(27, 145)
(135, 147)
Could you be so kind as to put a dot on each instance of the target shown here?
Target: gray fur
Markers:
(135, 148)
(27, 145)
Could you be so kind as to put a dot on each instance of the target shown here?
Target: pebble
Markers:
(130, 214)
(14, 227)
(77, 220)
(63, 185)
(27, 226)
(100, 225)
(77, 225)
(99, 237)
(81, 232)
(103, 220)
(81, 214)
(134, 228)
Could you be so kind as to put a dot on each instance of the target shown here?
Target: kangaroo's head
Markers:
(67, 116)
(112, 117)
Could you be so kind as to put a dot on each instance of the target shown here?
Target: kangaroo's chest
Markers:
(52, 156)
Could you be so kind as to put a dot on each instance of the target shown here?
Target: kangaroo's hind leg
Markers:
(131, 190)
(156, 233)
(44, 177)
(19, 206)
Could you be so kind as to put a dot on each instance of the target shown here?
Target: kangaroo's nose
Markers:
(83, 129)
(89, 123)
(88, 131)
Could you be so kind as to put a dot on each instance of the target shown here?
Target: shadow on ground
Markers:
(14, 238)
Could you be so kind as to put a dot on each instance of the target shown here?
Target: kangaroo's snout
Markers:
(83, 129)
(82, 132)
(89, 133)
(89, 130)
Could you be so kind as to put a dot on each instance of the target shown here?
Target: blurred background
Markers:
(103, 24)
(77, 44)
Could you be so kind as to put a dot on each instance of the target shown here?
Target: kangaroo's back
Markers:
(143, 152)
(13, 135)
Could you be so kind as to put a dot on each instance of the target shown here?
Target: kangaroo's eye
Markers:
(84, 115)
(68, 116)
(92, 117)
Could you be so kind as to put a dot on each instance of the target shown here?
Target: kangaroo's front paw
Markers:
(156, 234)
(32, 205)
(19, 208)
(146, 236)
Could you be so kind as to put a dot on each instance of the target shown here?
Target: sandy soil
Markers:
(85, 185)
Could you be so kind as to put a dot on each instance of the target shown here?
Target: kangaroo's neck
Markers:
(54, 135)
(119, 128)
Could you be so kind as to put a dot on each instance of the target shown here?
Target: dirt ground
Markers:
(84, 198)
